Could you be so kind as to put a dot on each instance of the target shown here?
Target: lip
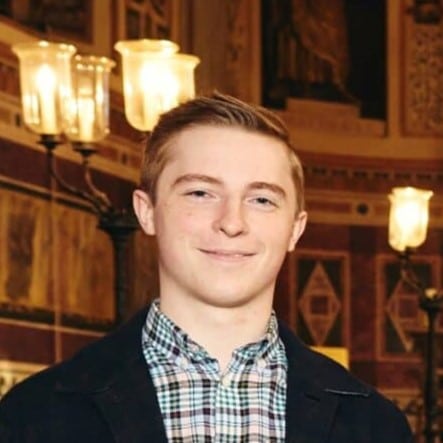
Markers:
(227, 254)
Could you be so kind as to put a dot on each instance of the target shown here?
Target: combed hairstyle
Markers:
(217, 110)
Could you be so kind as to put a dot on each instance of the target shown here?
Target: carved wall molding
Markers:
(370, 179)
(331, 118)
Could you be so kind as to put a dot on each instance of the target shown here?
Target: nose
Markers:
(231, 219)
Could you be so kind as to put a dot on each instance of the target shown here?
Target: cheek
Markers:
(275, 233)
(172, 222)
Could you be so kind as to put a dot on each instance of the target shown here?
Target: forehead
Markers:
(228, 153)
(227, 144)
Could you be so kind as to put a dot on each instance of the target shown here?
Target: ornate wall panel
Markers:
(54, 259)
(322, 297)
(84, 268)
(423, 82)
(403, 324)
(24, 259)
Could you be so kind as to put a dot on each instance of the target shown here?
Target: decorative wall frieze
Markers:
(358, 208)
(371, 179)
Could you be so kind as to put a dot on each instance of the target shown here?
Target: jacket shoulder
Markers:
(360, 406)
(32, 401)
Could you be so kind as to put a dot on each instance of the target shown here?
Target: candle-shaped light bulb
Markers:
(160, 90)
(86, 118)
(408, 217)
(46, 83)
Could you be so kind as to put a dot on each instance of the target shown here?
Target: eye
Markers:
(198, 194)
(264, 201)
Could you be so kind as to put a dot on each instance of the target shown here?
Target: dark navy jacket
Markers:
(105, 394)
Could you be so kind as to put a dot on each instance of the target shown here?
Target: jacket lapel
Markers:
(309, 410)
(131, 410)
(118, 382)
(314, 388)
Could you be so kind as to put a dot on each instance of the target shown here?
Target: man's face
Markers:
(224, 217)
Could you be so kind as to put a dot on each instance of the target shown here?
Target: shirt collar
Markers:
(168, 338)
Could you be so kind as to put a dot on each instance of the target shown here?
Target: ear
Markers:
(144, 210)
(297, 229)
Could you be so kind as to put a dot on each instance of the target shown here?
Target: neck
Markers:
(219, 330)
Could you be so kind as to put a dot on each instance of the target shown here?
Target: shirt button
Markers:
(193, 347)
(261, 363)
(183, 363)
(225, 381)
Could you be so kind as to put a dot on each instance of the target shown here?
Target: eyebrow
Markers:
(187, 178)
(268, 186)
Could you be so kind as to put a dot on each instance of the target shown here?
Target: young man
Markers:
(222, 190)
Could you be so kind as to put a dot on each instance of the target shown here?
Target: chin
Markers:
(228, 299)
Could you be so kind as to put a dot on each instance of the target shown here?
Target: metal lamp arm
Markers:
(102, 199)
(410, 278)
(408, 275)
(90, 198)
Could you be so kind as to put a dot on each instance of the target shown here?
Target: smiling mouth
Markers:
(227, 254)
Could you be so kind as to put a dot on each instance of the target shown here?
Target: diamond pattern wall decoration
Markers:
(403, 310)
(319, 304)
(401, 319)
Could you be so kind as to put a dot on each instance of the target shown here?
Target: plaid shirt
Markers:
(198, 404)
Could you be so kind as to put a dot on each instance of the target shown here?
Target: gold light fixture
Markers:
(155, 79)
(408, 217)
(67, 95)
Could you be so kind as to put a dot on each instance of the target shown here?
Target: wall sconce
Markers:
(408, 222)
(67, 95)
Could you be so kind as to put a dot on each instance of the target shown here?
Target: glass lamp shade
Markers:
(183, 66)
(155, 79)
(408, 217)
(88, 118)
(45, 82)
